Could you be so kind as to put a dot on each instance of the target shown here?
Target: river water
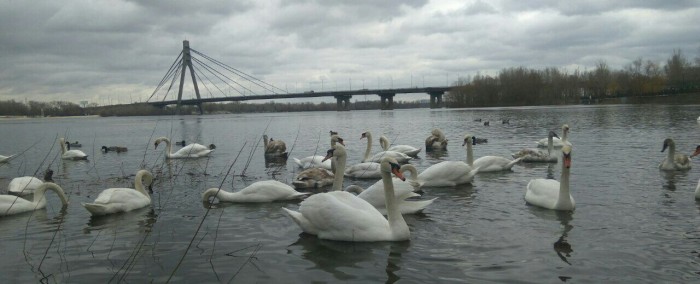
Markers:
(632, 223)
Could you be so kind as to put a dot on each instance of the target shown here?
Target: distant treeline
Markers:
(511, 87)
(521, 86)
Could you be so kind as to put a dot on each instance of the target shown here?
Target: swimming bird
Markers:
(316, 161)
(117, 149)
(11, 204)
(673, 161)
(400, 157)
(274, 148)
(193, 150)
(75, 144)
(258, 192)
(451, 173)
(26, 185)
(436, 141)
(552, 194)
(406, 149)
(117, 200)
(342, 216)
(5, 159)
(530, 155)
(68, 154)
(558, 143)
(490, 163)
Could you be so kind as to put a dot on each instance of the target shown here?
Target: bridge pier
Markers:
(387, 101)
(436, 99)
(343, 102)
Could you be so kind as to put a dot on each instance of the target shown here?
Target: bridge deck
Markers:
(310, 94)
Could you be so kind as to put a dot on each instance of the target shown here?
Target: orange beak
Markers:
(398, 174)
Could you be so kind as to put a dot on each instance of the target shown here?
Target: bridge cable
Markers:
(214, 72)
(172, 82)
(167, 74)
(244, 75)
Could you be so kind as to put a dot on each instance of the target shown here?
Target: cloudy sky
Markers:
(119, 50)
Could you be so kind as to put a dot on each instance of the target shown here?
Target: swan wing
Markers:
(542, 192)
(682, 161)
(339, 215)
(406, 149)
(400, 157)
(24, 185)
(10, 204)
(447, 173)
(374, 194)
(494, 163)
(363, 170)
(267, 191)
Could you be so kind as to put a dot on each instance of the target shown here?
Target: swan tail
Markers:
(411, 207)
(96, 209)
(301, 221)
(472, 173)
(299, 195)
(298, 162)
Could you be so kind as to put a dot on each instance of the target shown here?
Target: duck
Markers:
(436, 141)
(400, 157)
(117, 200)
(258, 192)
(274, 148)
(375, 193)
(11, 204)
(406, 149)
(490, 163)
(68, 154)
(26, 185)
(673, 161)
(316, 161)
(552, 194)
(75, 144)
(193, 150)
(180, 143)
(558, 143)
(451, 173)
(530, 155)
(341, 216)
(117, 149)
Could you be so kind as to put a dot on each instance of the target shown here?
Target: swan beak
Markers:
(664, 148)
(329, 155)
(397, 173)
(342, 142)
(156, 145)
(567, 161)
(697, 152)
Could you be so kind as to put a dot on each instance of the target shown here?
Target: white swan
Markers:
(367, 170)
(274, 148)
(558, 143)
(317, 161)
(116, 200)
(406, 149)
(552, 194)
(451, 173)
(673, 161)
(342, 216)
(400, 157)
(261, 191)
(23, 185)
(697, 191)
(68, 154)
(193, 150)
(375, 193)
(530, 155)
(436, 140)
(489, 163)
(10, 204)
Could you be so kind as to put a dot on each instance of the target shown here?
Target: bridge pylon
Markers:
(187, 62)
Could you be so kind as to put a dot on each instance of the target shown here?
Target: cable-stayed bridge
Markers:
(219, 80)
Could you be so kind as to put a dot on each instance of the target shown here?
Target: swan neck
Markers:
(564, 194)
(63, 145)
(565, 136)
(221, 194)
(138, 184)
(411, 169)
(168, 147)
(384, 142)
(339, 172)
(697, 191)
(470, 155)
(40, 194)
(368, 150)
(550, 144)
(671, 152)
(393, 214)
